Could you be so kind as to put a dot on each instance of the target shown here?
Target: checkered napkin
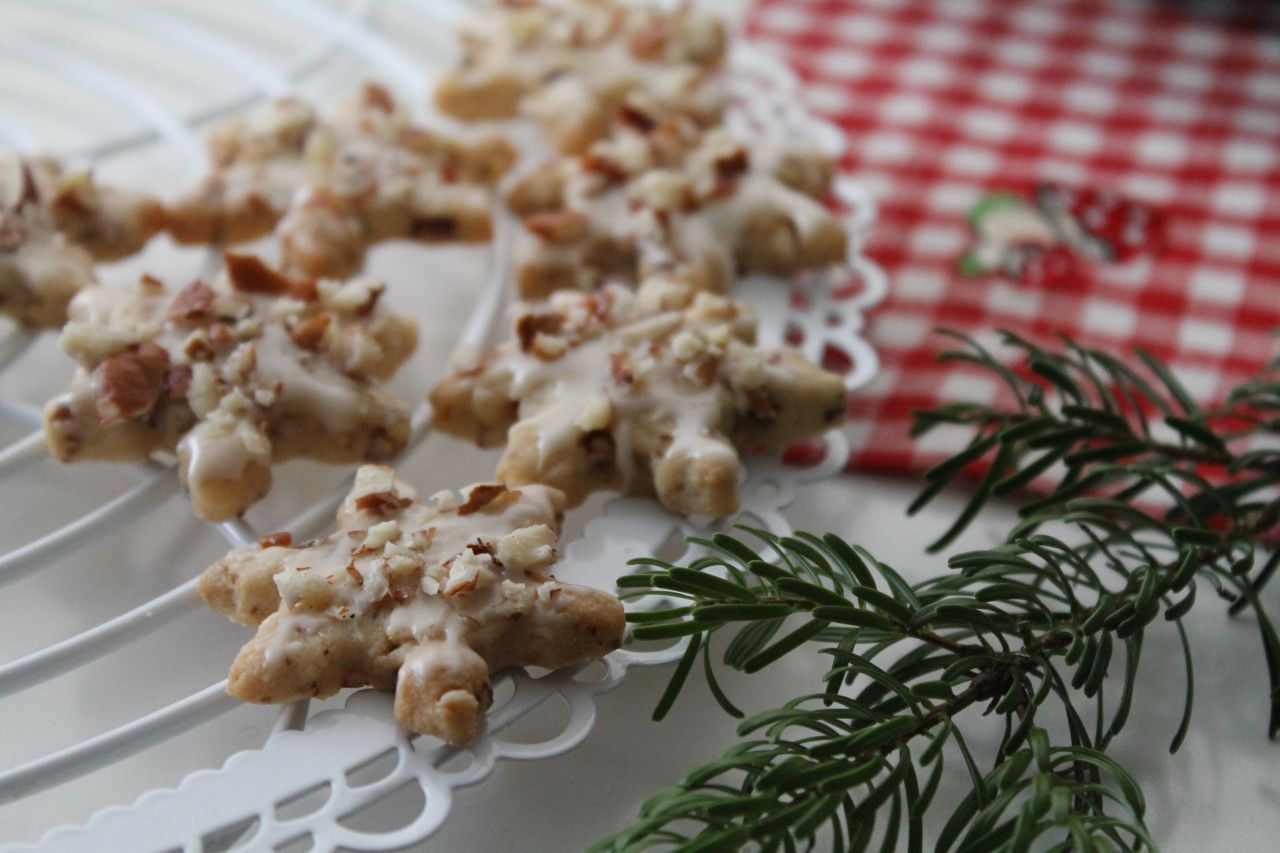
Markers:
(950, 102)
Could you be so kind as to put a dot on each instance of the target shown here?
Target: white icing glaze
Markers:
(641, 370)
(53, 225)
(685, 201)
(259, 365)
(431, 571)
(573, 58)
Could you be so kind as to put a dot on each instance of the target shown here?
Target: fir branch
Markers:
(1163, 497)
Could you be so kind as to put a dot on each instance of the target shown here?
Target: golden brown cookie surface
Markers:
(426, 597)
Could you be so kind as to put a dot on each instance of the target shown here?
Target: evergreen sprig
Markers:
(1148, 498)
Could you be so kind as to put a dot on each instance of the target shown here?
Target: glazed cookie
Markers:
(666, 197)
(333, 187)
(54, 224)
(569, 65)
(233, 377)
(644, 392)
(255, 170)
(426, 597)
(373, 176)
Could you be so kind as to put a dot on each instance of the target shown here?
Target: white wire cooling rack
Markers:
(115, 731)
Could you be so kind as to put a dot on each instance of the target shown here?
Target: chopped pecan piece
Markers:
(623, 367)
(762, 405)
(648, 43)
(153, 358)
(121, 389)
(557, 226)
(194, 303)
(481, 496)
(310, 332)
(630, 116)
(271, 540)
(733, 164)
(251, 275)
(602, 164)
(530, 325)
(377, 96)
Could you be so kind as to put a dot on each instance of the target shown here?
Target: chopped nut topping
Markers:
(250, 274)
(272, 540)
(733, 164)
(529, 326)
(622, 367)
(377, 96)
(122, 389)
(649, 42)
(380, 534)
(310, 332)
(481, 496)
(557, 226)
(597, 413)
(194, 303)
(762, 405)
(630, 116)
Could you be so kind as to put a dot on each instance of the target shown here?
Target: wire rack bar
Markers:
(105, 83)
(17, 136)
(97, 642)
(158, 487)
(22, 454)
(14, 345)
(218, 51)
(116, 744)
(377, 51)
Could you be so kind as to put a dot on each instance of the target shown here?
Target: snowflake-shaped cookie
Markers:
(569, 65)
(426, 597)
(54, 224)
(666, 197)
(643, 392)
(255, 369)
(333, 187)
(256, 168)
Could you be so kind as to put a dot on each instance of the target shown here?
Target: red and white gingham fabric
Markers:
(946, 101)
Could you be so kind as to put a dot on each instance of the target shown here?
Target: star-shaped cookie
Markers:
(426, 597)
(332, 187)
(253, 369)
(569, 65)
(54, 224)
(667, 197)
(647, 392)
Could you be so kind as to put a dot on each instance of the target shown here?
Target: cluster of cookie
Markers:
(629, 365)
(624, 371)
